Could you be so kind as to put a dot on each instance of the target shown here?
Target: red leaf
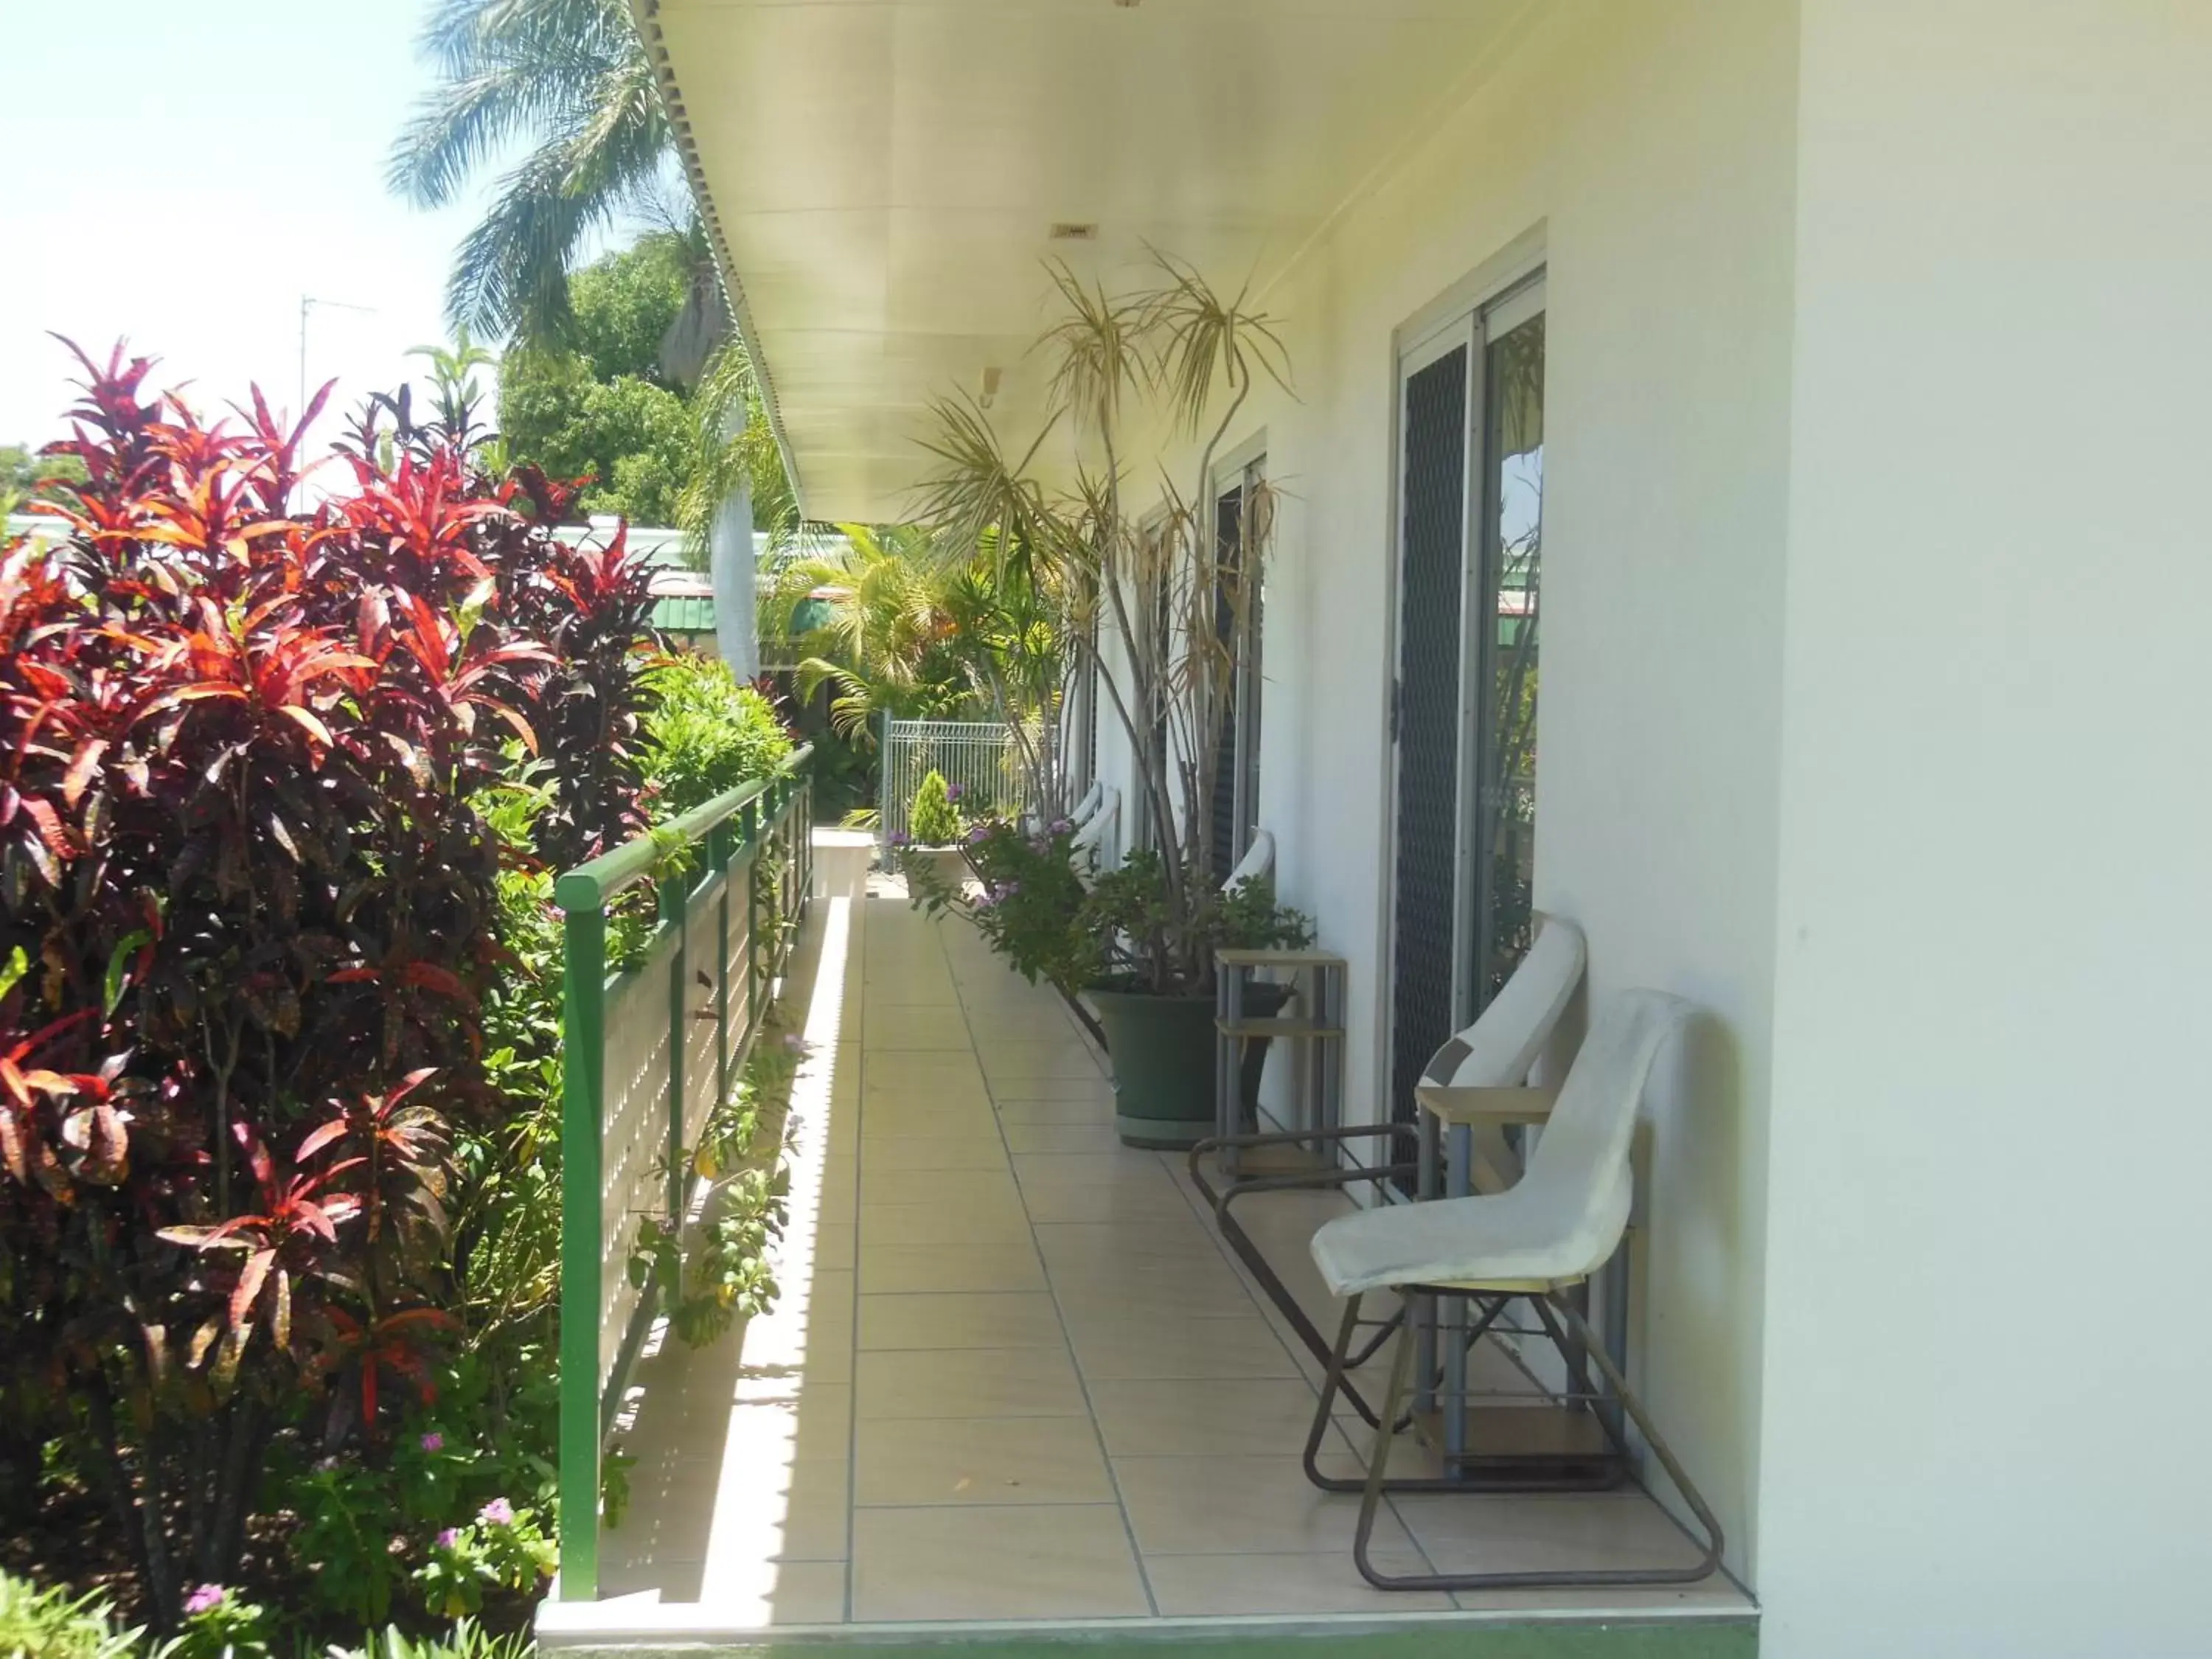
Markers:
(429, 975)
(319, 1138)
(81, 769)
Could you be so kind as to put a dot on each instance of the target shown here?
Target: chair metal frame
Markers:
(1568, 1329)
(1497, 1050)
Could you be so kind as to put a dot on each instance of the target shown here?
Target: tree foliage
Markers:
(600, 409)
(249, 916)
(570, 79)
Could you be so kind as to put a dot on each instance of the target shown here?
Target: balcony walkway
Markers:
(1013, 1386)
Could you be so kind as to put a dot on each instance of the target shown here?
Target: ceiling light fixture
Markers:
(1071, 230)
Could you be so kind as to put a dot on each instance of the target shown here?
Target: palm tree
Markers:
(885, 646)
(572, 78)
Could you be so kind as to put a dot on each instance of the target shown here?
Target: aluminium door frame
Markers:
(1503, 295)
(1244, 466)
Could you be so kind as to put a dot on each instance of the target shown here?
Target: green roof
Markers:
(682, 614)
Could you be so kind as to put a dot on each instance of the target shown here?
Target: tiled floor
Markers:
(1013, 1376)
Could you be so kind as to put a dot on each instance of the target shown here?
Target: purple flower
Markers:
(450, 1539)
(434, 1441)
(794, 1044)
(206, 1598)
(900, 838)
(978, 833)
(497, 1513)
(1062, 826)
(952, 792)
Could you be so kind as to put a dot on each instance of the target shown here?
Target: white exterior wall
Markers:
(1650, 151)
(1993, 1074)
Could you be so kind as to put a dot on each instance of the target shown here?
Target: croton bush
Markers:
(250, 915)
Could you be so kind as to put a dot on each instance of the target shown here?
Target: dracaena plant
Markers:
(1151, 599)
(248, 918)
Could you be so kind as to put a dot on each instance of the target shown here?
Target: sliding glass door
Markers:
(1463, 707)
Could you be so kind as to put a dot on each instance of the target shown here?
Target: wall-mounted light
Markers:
(1070, 230)
(992, 376)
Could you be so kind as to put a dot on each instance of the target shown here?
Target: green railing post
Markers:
(749, 835)
(583, 993)
(717, 858)
(732, 825)
(673, 890)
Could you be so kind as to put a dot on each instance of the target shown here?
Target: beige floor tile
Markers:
(937, 1109)
(905, 1268)
(889, 1026)
(890, 987)
(1169, 1350)
(835, 1248)
(749, 1594)
(1090, 1090)
(1122, 1166)
(1212, 1586)
(1075, 1201)
(903, 1385)
(1026, 1108)
(994, 1563)
(1094, 1134)
(933, 1224)
(775, 1421)
(959, 1319)
(954, 1188)
(1130, 1298)
(800, 1512)
(1241, 1506)
(1544, 1532)
(911, 1153)
(1083, 1247)
(917, 1066)
(1008, 1063)
(980, 1459)
(1257, 1417)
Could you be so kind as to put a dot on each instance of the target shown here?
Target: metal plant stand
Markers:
(1292, 1160)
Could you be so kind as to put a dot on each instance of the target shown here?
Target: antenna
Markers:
(308, 302)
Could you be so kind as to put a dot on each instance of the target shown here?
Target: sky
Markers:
(181, 174)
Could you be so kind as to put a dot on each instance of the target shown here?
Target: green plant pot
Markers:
(1162, 1049)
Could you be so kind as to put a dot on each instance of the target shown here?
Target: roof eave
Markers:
(645, 13)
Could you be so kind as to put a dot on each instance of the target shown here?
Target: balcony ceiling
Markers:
(886, 175)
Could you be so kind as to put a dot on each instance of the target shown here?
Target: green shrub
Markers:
(467, 1639)
(932, 822)
(706, 731)
(503, 1549)
(219, 1624)
(51, 1624)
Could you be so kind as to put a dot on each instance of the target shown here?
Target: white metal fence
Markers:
(980, 758)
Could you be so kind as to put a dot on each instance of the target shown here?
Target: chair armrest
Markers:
(1470, 1107)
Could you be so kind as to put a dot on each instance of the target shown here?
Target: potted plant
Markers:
(1155, 604)
(1118, 952)
(932, 851)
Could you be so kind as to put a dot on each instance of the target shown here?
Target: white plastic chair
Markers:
(1258, 863)
(1495, 1052)
(1540, 1239)
(1095, 843)
(1080, 814)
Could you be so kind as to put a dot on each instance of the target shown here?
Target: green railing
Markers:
(648, 1051)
